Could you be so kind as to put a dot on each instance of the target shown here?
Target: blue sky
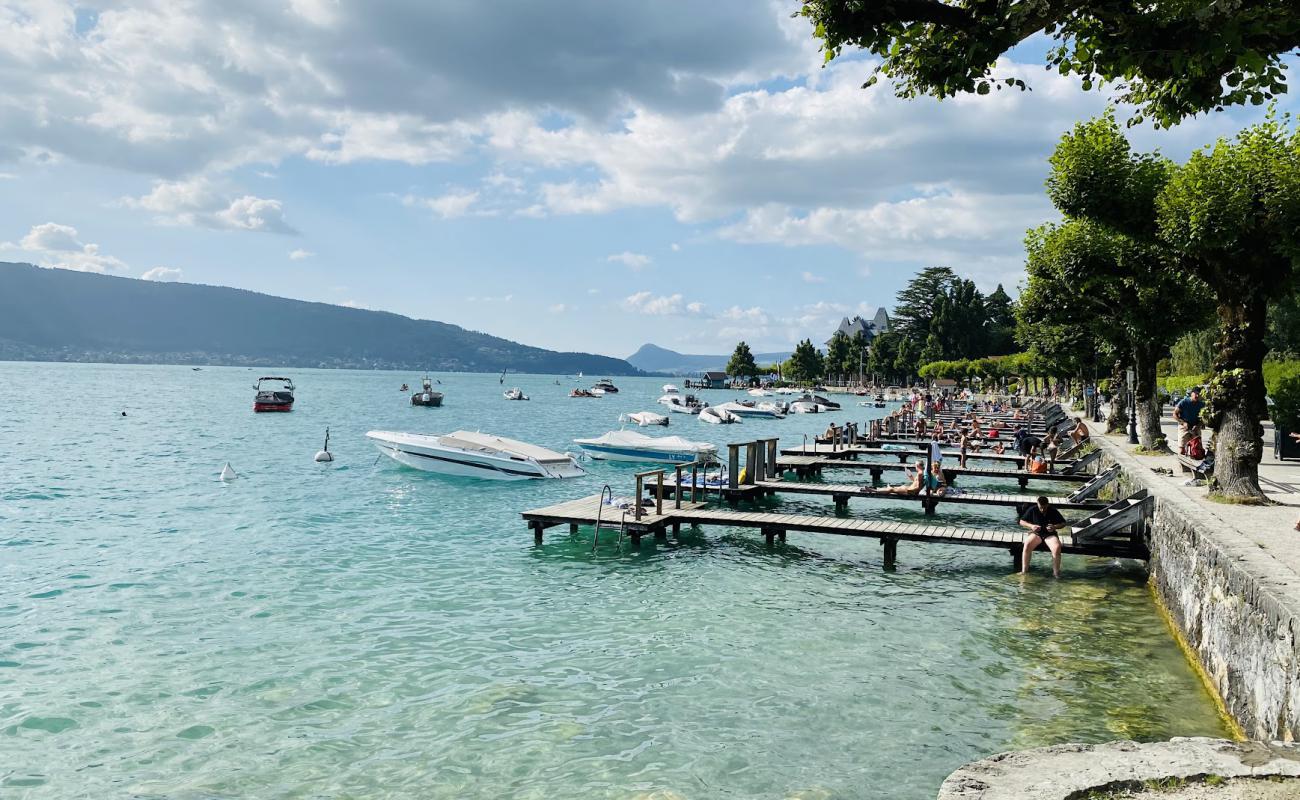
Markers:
(585, 175)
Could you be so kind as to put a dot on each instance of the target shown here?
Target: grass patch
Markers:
(1152, 451)
(1233, 500)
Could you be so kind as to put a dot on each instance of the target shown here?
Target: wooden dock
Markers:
(852, 451)
(774, 526)
(805, 466)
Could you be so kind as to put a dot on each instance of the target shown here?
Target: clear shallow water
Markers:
(368, 631)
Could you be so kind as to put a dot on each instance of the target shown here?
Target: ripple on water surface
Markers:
(363, 630)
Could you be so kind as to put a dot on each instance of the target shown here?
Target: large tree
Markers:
(1090, 285)
(839, 355)
(805, 365)
(1000, 313)
(1230, 216)
(742, 363)
(1170, 58)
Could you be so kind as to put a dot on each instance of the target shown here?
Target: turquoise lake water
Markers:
(364, 630)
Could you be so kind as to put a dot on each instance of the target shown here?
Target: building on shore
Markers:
(877, 324)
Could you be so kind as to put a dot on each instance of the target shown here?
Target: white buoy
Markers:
(325, 455)
(228, 474)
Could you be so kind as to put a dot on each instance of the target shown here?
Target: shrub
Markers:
(1286, 403)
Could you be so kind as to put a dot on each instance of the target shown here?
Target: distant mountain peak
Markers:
(653, 358)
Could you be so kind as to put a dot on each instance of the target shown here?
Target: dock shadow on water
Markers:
(363, 630)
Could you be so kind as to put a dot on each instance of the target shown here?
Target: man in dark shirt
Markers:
(1028, 443)
(1042, 520)
(1188, 413)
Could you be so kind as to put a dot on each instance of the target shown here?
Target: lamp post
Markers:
(1130, 378)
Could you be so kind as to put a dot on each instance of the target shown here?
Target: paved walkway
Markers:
(1269, 527)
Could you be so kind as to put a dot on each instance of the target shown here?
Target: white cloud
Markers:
(808, 277)
(456, 203)
(300, 254)
(198, 202)
(165, 274)
(8, 176)
(676, 247)
(633, 261)
(559, 308)
(505, 298)
(60, 246)
(661, 305)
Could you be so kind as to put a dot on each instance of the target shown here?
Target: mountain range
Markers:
(653, 358)
(62, 315)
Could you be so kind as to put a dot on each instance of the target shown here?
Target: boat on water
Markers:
(669, 388)
(404, 388)
(605, 385)
(475, 455)
(718, 416)
(644, 418)
(880, 401)
(597, 391)
(759, 410)
(583, 393)
(807, 407)
(682, 403)
(827, 405)
(273, 394)
(760, 392)
(514, 394)
(427, 396)
(633, 446)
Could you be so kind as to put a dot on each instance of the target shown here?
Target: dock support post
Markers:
(772, 449)
(661, 535)
(677, 529)
(1024, 482)
(841, 503)
(780, 534)
(637, 498)
(875, 476)
(635, 536)
(573, 527)
(1016, 554)
(537, 531)
(929, 504)
(772, 534)
(751, 467)
(733, 466)
(891, 551)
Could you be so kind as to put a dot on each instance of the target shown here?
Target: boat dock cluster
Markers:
(699, 494)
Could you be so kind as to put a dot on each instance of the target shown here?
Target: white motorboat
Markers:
(475, 455)
(682, 403)
(607, 385)
(827, 405)
(644, 418)
(597, 391)
(718, 416)
(759, 393)
(633, 446)
(807, 407)
(762, 411)
(514, 394)
(668, 388)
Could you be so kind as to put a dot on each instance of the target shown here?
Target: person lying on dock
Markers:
(918, 483)
(1042, 520)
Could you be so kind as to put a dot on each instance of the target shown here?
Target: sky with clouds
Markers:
(578, 174)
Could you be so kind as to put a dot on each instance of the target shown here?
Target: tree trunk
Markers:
(1236, 399)
(1117, 419)
(1145, 357)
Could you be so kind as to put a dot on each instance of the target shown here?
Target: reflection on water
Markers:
(364, 630)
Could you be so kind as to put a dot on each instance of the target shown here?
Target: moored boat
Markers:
(475, 455)
(637, 447)
(682, 403)
(718, 416)
(605, 385)
(582, 393)
(644, 418)
(427, 396)
(761, 410)
(276, 395)
(514, 394)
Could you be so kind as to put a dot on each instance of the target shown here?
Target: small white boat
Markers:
(759, 393)
(762, 411)
(682, 403)
(718, 416)
(644, 418)
(827, 405)
(475, 455)
(806, 407)
(597, 391)
(514, 394)
(633, 446)
(668, 388)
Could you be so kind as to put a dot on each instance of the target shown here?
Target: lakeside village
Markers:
(1151, 344)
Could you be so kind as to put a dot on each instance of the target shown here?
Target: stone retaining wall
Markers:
(1236, 607)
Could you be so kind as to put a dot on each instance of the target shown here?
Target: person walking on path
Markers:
(1042, 520)
(1188, 414)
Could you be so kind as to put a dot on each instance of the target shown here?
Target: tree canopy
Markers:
(742, 363)
(1170, 58)
(805, 365)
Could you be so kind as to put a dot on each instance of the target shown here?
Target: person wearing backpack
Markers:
(1188, 413)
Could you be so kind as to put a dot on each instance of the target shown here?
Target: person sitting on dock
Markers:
(1051, 445)
(1042, 520)
(832, 433)
(914, 486)
(937, 484)
(1079, 433)
(920, 427)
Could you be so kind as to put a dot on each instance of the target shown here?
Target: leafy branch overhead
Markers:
(1170, 58)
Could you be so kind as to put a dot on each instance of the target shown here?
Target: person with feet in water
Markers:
(1042, 520)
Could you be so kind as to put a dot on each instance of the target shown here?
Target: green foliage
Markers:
(939, 316)
(1193, 353)
(840, 354)
(1182, 384)
(805, 365)
(742, 363)
(1286, 403)
(1171, 60)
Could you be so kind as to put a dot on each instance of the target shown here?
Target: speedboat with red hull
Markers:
(273, 394)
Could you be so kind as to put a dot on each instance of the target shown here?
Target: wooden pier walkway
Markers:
(842, 492)
(811, 465)
(854, 450)
(774, 526)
